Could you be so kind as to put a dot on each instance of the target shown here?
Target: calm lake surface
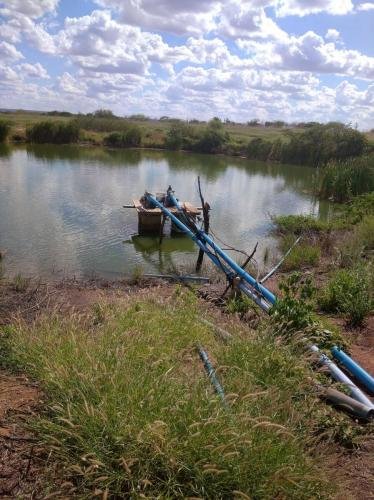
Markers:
(61, 209)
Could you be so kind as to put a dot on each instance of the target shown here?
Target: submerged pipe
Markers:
(341, 400)
(340, 376)
(211, 374)
(354, 368)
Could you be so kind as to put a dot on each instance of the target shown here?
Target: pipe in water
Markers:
(354, 368)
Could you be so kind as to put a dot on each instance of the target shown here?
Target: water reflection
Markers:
(61, 205)
(5, 150)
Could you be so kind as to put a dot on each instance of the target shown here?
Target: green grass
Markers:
(130, 410)
(359, 244)
(304, 254)
(349, 292)
(301, 256)
(299, 224)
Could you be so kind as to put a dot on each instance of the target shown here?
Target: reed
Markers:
(343, 180)
(53, 132)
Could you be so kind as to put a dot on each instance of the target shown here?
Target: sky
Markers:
(292, 60)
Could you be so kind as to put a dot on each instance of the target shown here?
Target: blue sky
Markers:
(295, 60)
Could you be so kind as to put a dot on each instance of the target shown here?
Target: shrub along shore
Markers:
(343, 156)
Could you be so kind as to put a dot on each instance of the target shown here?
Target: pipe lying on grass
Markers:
(220, 332)
(340, 376)
(345, 402)
(212, 374)
(275, 268)
(175, 277)
(354, 368)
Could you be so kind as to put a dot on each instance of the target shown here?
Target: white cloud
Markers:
(332, 34)
(29, 8)
(71, 85)
(33, 70)
(9, 52)
(247, 21)
(305, 7)
(365, 6)
(232, 17)
(20, 26)
(309, 52)
(175, 16)
(100, 44)
(7, 74)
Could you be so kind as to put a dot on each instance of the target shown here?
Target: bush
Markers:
(53, 132)
(213, 138)
(349, 292)
(320, 143)
(355, 210)
(4, 130)
(299, 224)
(180, 136)
(259, 149)
(113, 140)
(344, 180)
(293, 311)
(131, 137)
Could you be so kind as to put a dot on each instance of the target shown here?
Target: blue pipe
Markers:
(212, 374)
(239, 270)
(174, 201)
(189, 233)
(340, 376)
(202, 239)
(357, 371)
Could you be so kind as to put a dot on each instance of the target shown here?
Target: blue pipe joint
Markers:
(354, 368)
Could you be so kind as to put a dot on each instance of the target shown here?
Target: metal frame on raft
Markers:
(265, 299)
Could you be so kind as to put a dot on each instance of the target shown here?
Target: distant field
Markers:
(153, 130)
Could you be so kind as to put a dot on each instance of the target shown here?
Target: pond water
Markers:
(61, 209)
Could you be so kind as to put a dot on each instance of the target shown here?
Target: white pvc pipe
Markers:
(340, 376)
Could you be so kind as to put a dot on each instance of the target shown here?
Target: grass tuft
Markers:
(299, 224)
(131, 410)
(349, 292)
(302, 255)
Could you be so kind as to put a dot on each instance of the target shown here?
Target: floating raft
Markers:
(150, 219)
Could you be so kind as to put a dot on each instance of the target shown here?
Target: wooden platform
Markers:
(188, 207)
(150, 219)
